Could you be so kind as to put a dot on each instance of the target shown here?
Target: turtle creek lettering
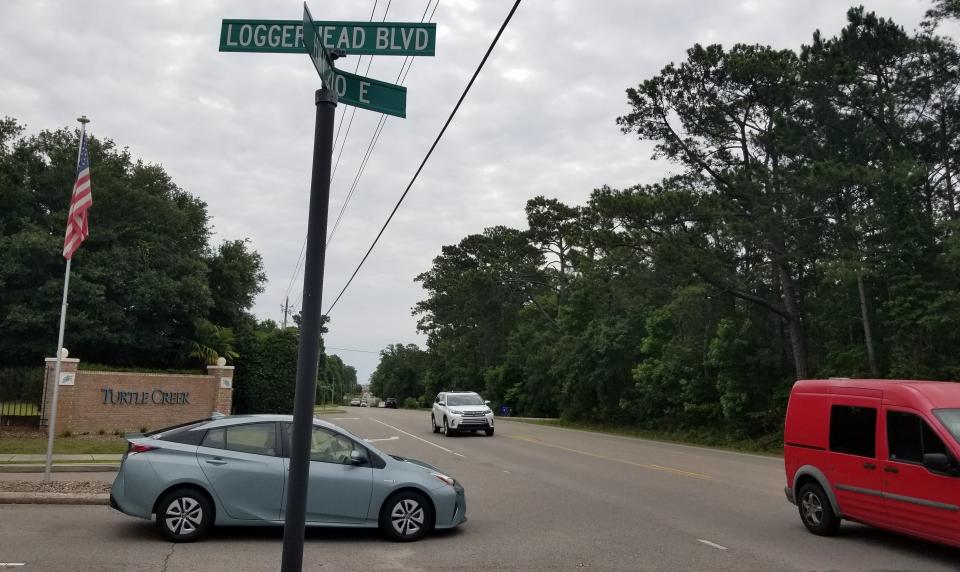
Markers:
(156, 397)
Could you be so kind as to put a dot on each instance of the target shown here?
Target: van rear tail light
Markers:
(139, 448)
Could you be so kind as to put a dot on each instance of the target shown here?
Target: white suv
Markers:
(461, 411)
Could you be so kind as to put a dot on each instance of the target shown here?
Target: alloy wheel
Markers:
(184, 516)
(812, 508)
(407, 517)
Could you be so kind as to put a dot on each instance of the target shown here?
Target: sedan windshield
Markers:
(951, 420)
(455, 400)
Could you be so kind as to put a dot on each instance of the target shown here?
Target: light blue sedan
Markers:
(233, 471)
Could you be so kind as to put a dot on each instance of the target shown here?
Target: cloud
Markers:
(236, 129)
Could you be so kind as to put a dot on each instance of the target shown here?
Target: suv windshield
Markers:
(454, 400)
(951, 420)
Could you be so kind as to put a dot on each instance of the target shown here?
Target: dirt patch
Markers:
(72, 487)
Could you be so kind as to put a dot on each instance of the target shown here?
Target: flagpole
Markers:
(52, 421)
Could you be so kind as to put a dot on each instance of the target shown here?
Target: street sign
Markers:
(316, 50)
(359, 38)
(370, 94)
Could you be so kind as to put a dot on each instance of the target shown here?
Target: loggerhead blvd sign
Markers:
(359, 38)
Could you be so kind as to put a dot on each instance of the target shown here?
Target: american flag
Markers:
(77, 229)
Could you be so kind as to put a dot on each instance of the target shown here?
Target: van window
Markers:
(951, 420)
(909, 437)
(853, 430)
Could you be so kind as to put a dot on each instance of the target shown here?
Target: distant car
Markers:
(355, 402)
(461, 411)
(363, 403)
(232, 471)
(390, 402)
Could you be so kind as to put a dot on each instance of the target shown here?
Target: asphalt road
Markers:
(538, 498)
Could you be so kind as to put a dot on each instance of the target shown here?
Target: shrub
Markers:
(265, 378)
(410, 403)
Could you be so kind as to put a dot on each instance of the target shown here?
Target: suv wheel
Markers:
(406, 516)
(184, 515)
(446, 428)
(489, 432)
(815, 510)
(433, 424)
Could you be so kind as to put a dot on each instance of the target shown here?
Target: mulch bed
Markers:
(72, 487)
(24, 433)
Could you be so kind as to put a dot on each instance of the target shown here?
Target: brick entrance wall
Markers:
(125, 401)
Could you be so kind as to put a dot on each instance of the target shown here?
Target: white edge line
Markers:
(417, 438)
(713, 544)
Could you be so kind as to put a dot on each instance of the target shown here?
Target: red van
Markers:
(880, 452)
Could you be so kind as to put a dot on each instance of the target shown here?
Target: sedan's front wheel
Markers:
(406, 516)
(184, 515)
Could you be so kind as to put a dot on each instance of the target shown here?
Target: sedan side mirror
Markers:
(939, 463)
(358, 457)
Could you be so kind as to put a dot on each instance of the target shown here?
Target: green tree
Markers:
(400, 373)
(139, 284)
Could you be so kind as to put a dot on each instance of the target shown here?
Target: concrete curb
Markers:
(55, 498)
(61, 468)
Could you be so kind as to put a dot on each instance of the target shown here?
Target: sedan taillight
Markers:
(138, 448)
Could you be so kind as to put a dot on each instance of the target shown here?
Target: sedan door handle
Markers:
(870, 466)
(216, 461)
(891, 470)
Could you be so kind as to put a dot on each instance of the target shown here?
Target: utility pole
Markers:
(286, 309)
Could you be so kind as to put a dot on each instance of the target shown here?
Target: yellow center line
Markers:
(614, 459)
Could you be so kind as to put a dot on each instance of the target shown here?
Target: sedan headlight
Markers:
(444, 478)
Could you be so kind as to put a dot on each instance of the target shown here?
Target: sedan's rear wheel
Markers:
(184, 515)
(406, 516)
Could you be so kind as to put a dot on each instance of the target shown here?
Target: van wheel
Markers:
(433, 424)
(815, 510)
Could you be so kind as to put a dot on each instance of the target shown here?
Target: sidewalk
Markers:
(7, 458)
(36, 463)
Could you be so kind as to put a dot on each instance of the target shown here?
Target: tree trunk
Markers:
(867, 328)
(794, 324)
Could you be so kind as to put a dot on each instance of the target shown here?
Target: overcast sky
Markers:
(236, 129)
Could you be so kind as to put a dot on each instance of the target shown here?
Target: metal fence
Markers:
(21, 397)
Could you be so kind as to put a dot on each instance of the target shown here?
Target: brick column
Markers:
(223, 375)
(65, 394)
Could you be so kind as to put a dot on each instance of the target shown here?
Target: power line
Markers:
(350, 350)
(401, 78)
(378, 130)
(303, 247)
(429, 153)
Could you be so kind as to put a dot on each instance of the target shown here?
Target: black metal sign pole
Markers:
(309, 351)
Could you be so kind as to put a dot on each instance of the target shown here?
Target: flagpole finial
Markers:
(83, 119)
